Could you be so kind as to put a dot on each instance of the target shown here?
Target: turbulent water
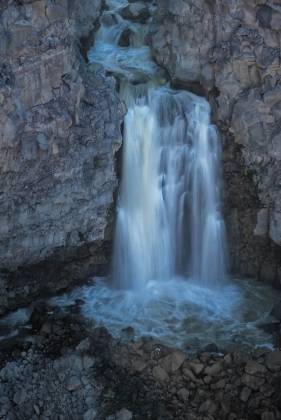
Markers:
(181, 314)
(184, 315)
(169, 265)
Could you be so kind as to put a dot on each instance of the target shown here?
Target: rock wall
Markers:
(230, 51)
(59, 138)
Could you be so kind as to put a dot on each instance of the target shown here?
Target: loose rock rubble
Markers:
(63, 370)
(160, 382)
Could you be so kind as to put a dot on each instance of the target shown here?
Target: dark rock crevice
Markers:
(251, 254)
(86, 42)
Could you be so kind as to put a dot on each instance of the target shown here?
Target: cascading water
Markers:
(169, 221)
(169, 251)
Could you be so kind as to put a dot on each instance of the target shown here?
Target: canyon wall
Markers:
(230, 52)
(59, 139)
(60, 133)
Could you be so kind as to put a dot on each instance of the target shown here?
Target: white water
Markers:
(169, 221)
(170, 241)
(180, 313)
(169, 265)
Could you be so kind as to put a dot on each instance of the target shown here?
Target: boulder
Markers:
(73, 383)
(90, 414)
(197, 368)
(252, 382)
(137, 11)
(173, 361)
(268, 415)
(124, 414)
(208, 406)
(183, 394)
(138, 365)
(273, 360)
(159, 374)
(245, 394)
(254, 368)
(213, 370)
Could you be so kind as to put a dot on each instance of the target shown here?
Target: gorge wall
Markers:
(60, 133)
(229, 51)
(59, 137)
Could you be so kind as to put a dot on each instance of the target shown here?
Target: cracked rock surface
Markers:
(59, 139)
(230, 52)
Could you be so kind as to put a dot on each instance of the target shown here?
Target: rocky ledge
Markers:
(229, 51)
(59, 139)
(65, 370)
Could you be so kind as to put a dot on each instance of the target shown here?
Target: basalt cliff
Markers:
(229, 51)
(61, 124)
(59, 138)
(60, 133)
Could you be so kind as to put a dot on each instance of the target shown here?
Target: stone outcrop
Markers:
(230, 52)
(59, 139)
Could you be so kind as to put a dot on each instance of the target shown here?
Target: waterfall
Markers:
(169, 221)
(168, 268)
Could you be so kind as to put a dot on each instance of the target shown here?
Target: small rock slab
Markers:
(183, 394)
(253, 382)
(273, 360)
(124, 414)
(255, 368)
(159, 374)
(245, 394)
(137, 11)
(214, 369)
(91, 414)
(88, 362)
(138, 365)
(173, 361)
(196, 368)
(268, 415)
(73, 383)
(208, 407)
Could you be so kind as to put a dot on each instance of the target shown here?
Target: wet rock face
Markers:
(232, 50)
(59, 138)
